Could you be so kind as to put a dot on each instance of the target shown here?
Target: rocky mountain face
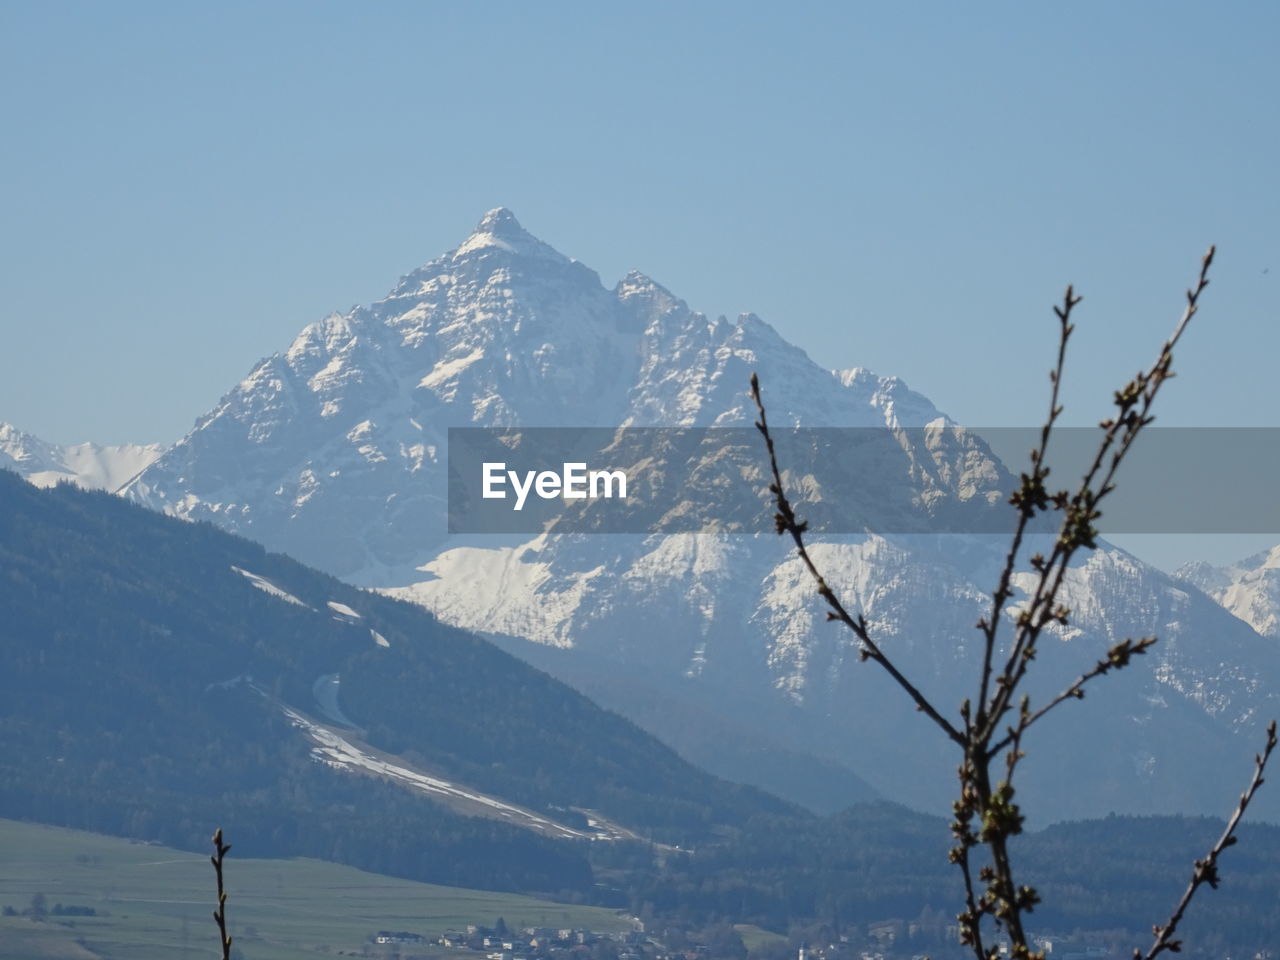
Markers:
(335, 452)
(93, 466)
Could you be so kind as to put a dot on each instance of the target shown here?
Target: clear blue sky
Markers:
(905, 187)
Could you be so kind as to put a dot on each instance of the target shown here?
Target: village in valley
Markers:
(530, 943)
(891, 940)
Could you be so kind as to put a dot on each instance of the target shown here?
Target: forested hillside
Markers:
(126, 706)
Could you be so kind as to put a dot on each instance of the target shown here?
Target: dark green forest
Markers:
(879, 861)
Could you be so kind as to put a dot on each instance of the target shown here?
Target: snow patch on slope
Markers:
(343, 612)
(509, 592)
(340, 753)
(266, 586)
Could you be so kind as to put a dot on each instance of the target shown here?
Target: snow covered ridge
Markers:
(335, 451)
(93, 466)
(1249, 589)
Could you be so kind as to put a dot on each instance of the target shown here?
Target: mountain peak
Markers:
(500, 222)
(499, 230)
(637, 284)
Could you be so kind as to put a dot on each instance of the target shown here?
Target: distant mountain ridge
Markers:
(333, 451)
(1249, 589)
(93, 466)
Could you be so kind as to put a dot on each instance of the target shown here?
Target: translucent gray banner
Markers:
(937, 479)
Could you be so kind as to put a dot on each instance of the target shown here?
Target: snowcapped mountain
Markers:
(334, 451)
(1249, 589)
(94, 466)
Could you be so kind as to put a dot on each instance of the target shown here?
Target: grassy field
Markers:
(755, 938)
(159, 902)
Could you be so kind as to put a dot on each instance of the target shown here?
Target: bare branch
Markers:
(1206, 870)
(785, 521)
(1117, 658)
(986, 813)
(1032, 497)
(971, 919)
(1133, 405)
(220, 914)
